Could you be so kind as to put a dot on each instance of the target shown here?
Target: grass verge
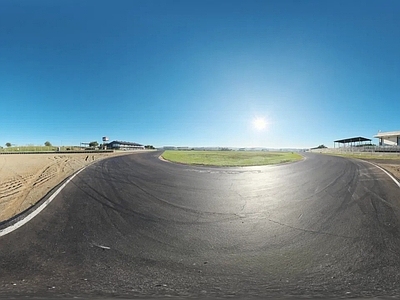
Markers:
(230, 158)
(367, 156)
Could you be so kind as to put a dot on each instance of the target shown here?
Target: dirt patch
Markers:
(25, 179)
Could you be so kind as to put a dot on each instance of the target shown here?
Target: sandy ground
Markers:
(26, 178)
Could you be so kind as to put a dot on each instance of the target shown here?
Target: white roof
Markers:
(387, 134)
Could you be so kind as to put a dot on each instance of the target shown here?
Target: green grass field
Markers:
(230, 158)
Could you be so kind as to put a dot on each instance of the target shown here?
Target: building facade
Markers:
(391, 138)
(120, 145)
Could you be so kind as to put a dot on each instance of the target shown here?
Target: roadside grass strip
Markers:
(230, 158)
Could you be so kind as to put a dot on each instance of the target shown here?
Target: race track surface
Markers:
(133, 226)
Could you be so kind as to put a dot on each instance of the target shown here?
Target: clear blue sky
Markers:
(197, 73)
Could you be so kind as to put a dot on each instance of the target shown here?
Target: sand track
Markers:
(25, 179)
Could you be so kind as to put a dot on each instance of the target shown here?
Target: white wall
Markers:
(390, 141)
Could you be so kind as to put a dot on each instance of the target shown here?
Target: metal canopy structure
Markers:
(351, 142)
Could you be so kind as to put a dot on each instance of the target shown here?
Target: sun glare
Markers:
(259, 123)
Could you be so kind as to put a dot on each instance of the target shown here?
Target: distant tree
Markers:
(149, 147)
(321, 147)
(8, 144)
(47, 144)
(93, 144)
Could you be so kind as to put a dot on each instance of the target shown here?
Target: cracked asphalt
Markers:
(135, 226)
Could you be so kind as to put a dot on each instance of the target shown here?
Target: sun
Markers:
(259, 123)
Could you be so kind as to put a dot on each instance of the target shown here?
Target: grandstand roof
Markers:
(353, 140)
(389, 133)
(125, 143)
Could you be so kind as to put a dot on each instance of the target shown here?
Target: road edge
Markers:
(24, 217)
(386, 172)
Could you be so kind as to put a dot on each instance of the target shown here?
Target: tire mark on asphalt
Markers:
(386, 172)
(127, 211)
(312, 231)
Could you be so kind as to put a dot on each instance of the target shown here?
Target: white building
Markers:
(391, 138)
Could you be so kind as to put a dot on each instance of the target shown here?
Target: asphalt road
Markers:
(134, 226)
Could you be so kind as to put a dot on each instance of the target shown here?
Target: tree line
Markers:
(46, 143)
